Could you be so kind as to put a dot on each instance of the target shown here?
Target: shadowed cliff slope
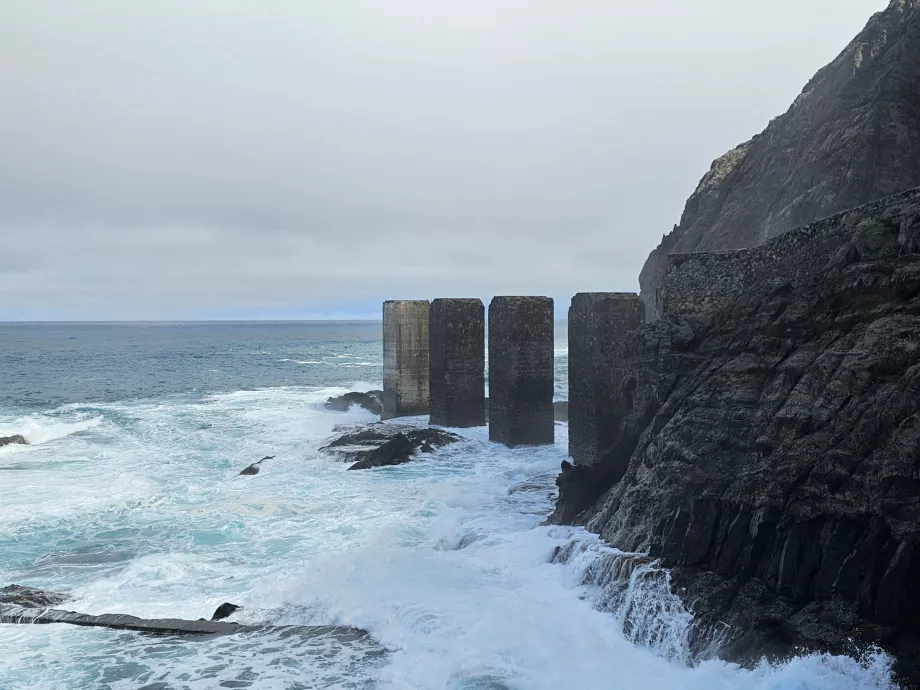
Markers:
(778, 464)
(851, 137)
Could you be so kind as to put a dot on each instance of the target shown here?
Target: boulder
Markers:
(254, 467)
(396, 451)
(11, 440)
(378, 445)
(225, 610)
(372, 401)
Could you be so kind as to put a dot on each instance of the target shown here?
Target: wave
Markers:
(37, 431)
(638, 593)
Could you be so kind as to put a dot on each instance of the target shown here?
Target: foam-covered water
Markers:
(133, 504)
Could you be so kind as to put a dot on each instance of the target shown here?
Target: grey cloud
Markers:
(184, 159)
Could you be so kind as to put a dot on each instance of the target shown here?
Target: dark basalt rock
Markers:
(396, 451)
(377, 445)
(254, 467)
(15, 439)
(29, 597)
(13, 614)
(827, 153)
(778, 454)
(372, 401)
(225, 610)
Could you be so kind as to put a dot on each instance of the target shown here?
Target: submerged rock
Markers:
(378, 445)
(29, 597)
(11, 440)
(372, 401)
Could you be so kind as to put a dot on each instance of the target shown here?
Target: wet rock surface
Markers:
(372, 401)
(778, 454)
(17, 439)
(378, 445)
(253, 469)
(31, 606)
(225, 610)
(30, 597)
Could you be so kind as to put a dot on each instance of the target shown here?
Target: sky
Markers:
(220, 159)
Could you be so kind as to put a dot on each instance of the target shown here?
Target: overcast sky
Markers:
(225, 159)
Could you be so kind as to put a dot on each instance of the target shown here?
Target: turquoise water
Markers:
(129, 499)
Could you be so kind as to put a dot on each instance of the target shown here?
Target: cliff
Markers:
(772, 425)
(851, 137)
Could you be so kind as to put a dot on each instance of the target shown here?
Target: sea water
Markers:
(129, 499)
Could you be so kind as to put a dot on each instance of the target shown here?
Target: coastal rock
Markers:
(396, 451)
(11, 440)
(29, 597)
(851, 137)
(11, 613)
(254, 467)
(225, 610)
(777, 413)
(379, 444)
(372, 401)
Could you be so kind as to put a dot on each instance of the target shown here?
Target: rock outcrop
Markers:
(16, 439)
(30, 598)
(777, 466)
(10, 613)
(225, 610)
(379, 445)
(851, 137)
(372, 401)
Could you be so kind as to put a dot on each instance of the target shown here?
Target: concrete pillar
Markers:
(521, 371)
(599, 398)
(405, 358)
(457, 362)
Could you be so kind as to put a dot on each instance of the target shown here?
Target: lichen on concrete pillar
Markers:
(521, 371)
(405, 358)
(599, 399)
(457, 362)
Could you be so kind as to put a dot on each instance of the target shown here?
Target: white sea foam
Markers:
(38, 430)
(443, 560)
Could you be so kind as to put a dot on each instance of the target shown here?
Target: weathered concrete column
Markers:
(405, 358)
(457, 362)
(599, 397)
(521, 371)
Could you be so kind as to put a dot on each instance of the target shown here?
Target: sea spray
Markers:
(443, 560)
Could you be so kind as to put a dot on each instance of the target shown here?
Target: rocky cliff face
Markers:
(851, 137)
(778, 465)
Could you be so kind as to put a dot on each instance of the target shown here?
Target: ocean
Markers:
(129, 499)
